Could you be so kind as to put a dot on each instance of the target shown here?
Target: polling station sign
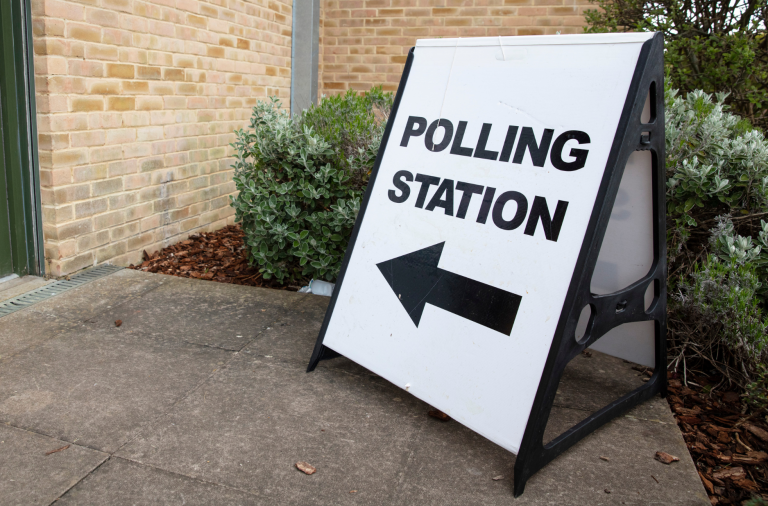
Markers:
(469, 263)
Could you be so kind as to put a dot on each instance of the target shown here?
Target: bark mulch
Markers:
(728, 445)
(216, 256)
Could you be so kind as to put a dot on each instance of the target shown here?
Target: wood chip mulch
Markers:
(216, 256)
(728, 445)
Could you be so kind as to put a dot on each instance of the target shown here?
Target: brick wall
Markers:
(137, 101)
(365, 42)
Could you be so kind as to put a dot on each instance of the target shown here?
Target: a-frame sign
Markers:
(471, 259)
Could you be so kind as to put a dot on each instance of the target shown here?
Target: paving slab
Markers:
(420, 460)
(453, 466)
(25, 328)
(29, 476)
(201, 312)
(119, 482)
(200, 396)
(248, 426)
(103, 294)
(97, 386)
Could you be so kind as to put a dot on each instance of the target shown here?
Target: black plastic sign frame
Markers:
(608, 311)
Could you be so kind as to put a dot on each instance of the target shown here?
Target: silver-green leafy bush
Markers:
(718, 305)
(300, 181)
(713, 157)
(717, 191)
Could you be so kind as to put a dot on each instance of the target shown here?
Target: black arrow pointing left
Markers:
(417, 281)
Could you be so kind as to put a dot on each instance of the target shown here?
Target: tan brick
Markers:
(104, 88)
(149, 103)
(92, 138)
(123, 231)
(161, 88)
(65, 84)
(53, 141)
(122, 168)
(120, 70)
(73, 229)
(90, 207)
(136, 181)
(110, 251)
(104, 120)
(50, 65)
(106, 154)
(121, 200)
(101, 17)
(87, 104)
(173, 74)
(68, 158)
(59, 9)
(64, 122)
(118, 5)
(143, 72)
(91, 241)
(106, 187)
(135, 119)
(135, 87)
(121, 103)
(121, 136)
(73, 193)
(101, 52)
(83, 32)
(139, 242)
(85, 68)
(215, 51)
(73, 264)
(90, 172)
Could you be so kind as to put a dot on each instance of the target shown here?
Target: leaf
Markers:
(436, 413)
(665, 458)
(305, 468)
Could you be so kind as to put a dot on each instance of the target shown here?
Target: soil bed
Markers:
(728, 444)
(216, 256)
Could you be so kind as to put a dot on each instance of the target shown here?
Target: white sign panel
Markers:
(459, 272)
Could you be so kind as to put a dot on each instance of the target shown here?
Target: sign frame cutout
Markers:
(607, 311)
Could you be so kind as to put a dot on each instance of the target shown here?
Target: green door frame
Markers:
(18, 127)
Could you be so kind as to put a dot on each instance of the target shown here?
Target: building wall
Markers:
(365, 42)
(137, 102)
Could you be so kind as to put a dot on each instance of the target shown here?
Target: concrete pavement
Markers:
(200, 397)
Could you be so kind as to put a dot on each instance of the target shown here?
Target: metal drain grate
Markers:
(53, 289)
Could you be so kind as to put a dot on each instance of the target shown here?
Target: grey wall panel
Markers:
(305, 48)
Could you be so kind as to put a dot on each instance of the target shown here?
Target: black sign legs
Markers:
(611, 310)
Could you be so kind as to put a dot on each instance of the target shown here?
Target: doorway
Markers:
(21, 245)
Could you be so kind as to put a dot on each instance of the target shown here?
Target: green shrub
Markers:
(717, 191)
(755, 501)
(300, 181)
(756, 392)
(716, 165)
(716, 46)
(715, 160)
(718, 315)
